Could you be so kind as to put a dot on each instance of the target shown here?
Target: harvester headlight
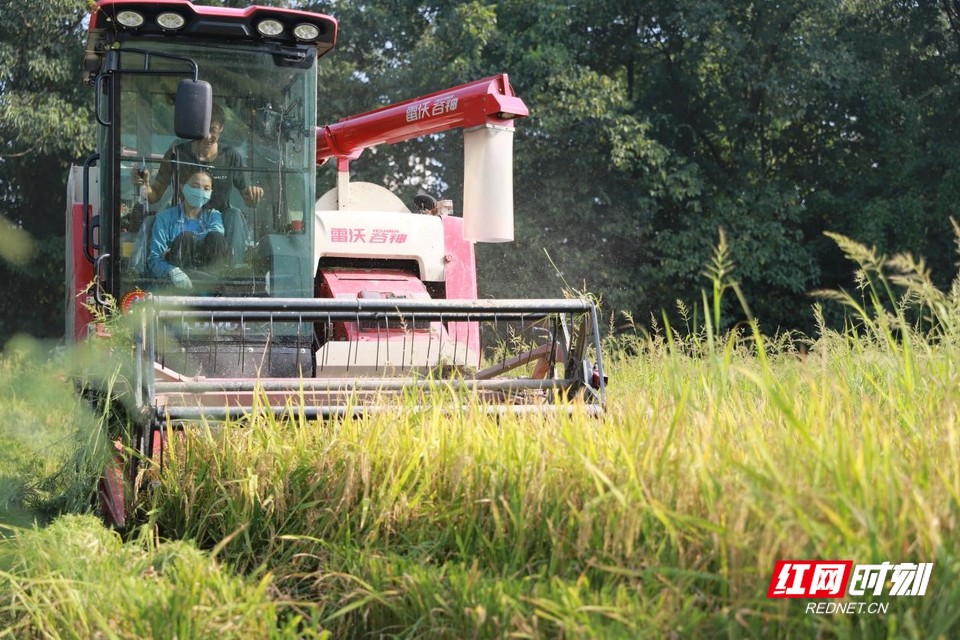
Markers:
(171, 21)
(270, 28)
(130, 19)
(306, 31)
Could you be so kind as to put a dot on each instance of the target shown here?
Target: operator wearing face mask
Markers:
(187, 236)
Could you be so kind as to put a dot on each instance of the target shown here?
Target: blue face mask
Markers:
(195, 196)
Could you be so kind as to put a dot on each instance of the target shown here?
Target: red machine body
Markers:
(487, 101)
(222, 22)
(331, 302)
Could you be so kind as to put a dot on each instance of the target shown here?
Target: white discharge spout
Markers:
(488, 184)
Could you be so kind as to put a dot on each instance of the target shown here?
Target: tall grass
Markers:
(720, 453)
(76, 579)
(53, 446)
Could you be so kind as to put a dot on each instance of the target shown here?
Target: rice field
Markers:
(720, 453)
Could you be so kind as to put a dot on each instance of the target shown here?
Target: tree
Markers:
(654, 123)
(774, 121)
(44, 109)
(45, 125)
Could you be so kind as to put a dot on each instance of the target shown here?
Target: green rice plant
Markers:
(53, 446)
(665, 516)
(716, 457)
(77, 579)
(719, 453)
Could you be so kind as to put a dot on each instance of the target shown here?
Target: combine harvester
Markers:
(328, 305)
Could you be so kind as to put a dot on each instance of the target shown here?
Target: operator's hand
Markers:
(252, 195)
(180, 279)
(140, 177)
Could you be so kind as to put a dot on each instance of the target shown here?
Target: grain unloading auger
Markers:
(328, 305)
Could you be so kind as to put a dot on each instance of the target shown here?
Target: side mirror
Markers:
(191, 114)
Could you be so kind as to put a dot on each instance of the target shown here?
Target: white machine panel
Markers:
(382, 235)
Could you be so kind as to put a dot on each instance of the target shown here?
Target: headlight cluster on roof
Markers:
(168, 20)
(304, 32)
(280, 27)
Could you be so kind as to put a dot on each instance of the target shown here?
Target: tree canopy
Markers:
(653, 125)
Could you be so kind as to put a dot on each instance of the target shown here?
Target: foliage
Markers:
(45, 118)
(52, 444)
(720, 452)
(79, 579)
(653, 124)
(34, 293)
(45, 125)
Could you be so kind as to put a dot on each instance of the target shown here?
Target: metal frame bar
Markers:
(355, 384)
(178, 305)
(178, 415)
(160, 398)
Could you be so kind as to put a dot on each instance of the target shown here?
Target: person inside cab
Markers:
(223, 162)
(187, 236)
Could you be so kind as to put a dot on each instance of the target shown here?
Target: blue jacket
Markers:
(170, 223)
